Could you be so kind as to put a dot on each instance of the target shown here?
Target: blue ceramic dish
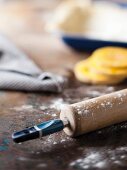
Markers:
(85, 44)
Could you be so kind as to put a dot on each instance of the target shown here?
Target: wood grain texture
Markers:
(97, 113)
(103, 149)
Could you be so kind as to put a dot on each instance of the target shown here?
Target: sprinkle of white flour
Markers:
(96, 93)
(54, 114)
(23, 107)
(117, 162)
(86, 111)
(57, 104)
(103, 104)
(109, 104)
(94, 101)
(100, 164)
(42, 165)
(121, 99)
(123, 156)
(43, 107)
(110, 89)
(54, 143)
(119, 95)
(92, 160)
(99, 160)
(63, 140)
(80, 112)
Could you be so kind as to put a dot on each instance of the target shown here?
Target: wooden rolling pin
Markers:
(95, 113)
(82, 117)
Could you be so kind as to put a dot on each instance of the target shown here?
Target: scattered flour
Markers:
(54, 115)
(55, 104)
(110, 89)
(100, 160)
(43, 107)
(92, 160)
(117, 162)
(100, 164)
(103, 104)
(106, 104)
(63, 140)
(54, 143)
(96, 93)
(119, 95)
(23, 159)
(123, 156)
(42, 165)
(23, 107)
(109, 104)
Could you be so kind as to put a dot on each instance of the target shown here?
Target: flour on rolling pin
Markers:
(96, 113)
(79, 118)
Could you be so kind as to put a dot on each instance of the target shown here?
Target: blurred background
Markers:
(23, 21)
(25, 16)
(20, 17)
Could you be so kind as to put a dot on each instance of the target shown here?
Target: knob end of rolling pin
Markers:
(25, 135)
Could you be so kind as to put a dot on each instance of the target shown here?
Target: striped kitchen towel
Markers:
(19, 72)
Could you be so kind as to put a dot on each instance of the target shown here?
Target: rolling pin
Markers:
(82, 117)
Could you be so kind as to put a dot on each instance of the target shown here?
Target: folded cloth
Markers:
(18, 72)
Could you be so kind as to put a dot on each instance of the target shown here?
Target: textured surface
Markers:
(99, 150)
(104, 149)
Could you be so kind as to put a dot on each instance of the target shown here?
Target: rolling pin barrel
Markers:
(95, 113)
